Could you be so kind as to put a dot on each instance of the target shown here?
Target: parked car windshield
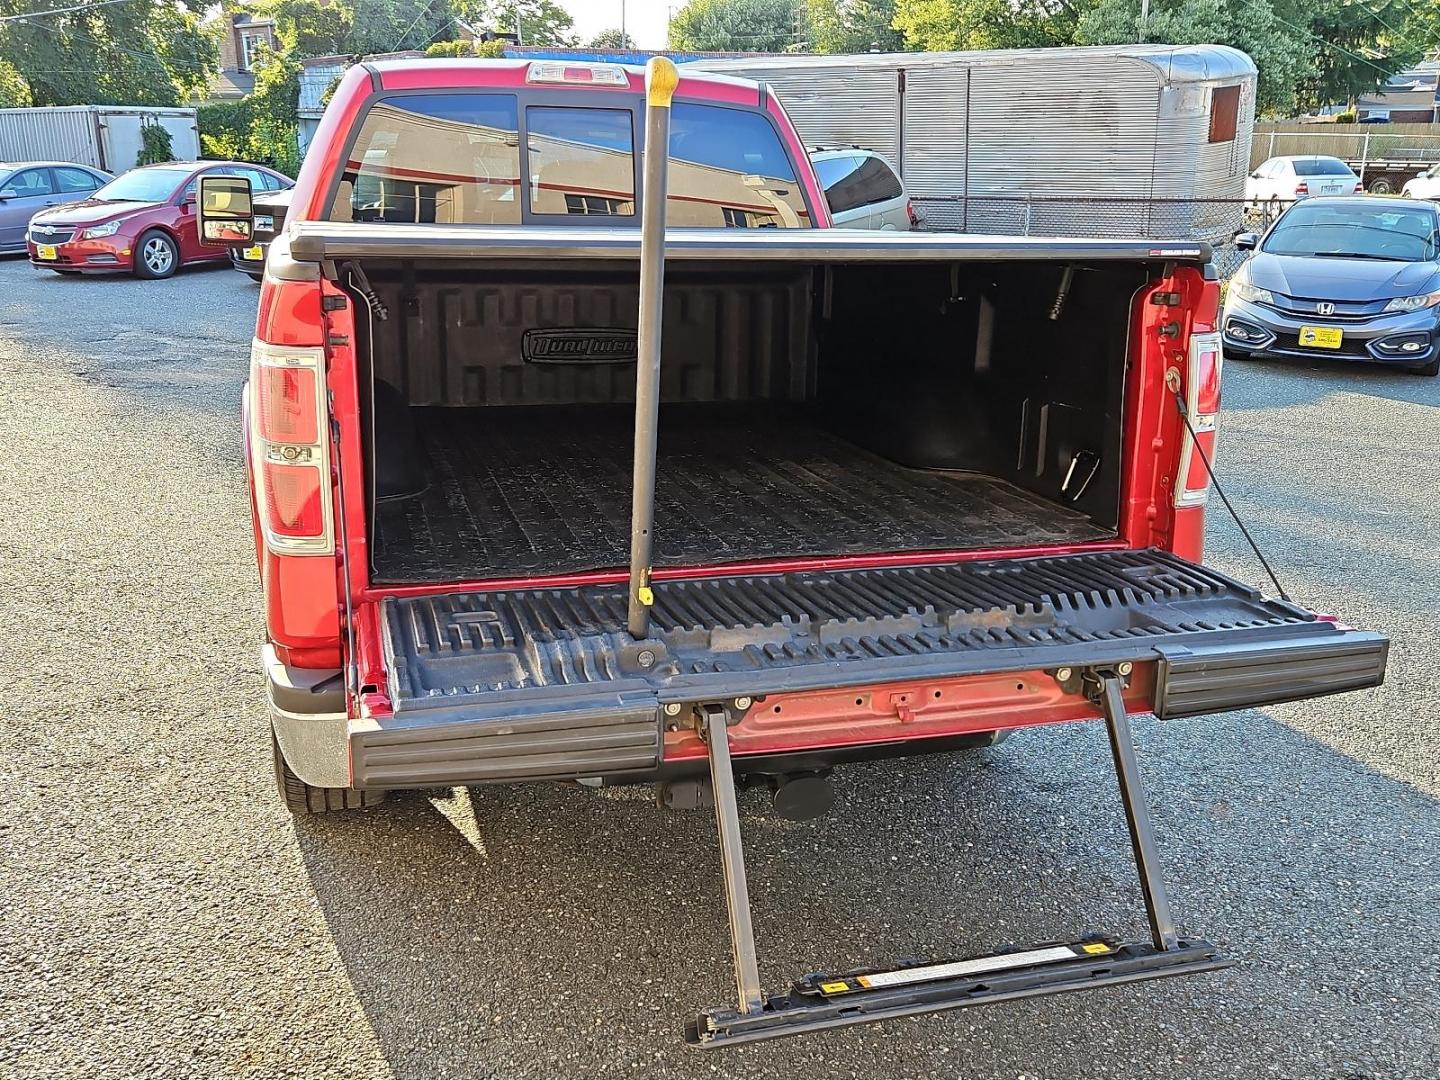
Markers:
(143, 185)
(1322, 166)
(1356, 230)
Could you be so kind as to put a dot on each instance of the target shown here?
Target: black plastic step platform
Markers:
(818, 1002)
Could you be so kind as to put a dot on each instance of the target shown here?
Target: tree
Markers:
(736, 26)
(381, 26)
(310, 28)
(936, 25)
(614, 38)
(541, 22)
(1354, 47)
(14, 90)
(145, 52)
(852, 26)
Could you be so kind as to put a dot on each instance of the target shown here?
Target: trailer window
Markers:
(445, 158)
(1224, 113)
(582, 161)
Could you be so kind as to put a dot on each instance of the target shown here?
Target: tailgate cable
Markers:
(1210, 472)
(361, 284)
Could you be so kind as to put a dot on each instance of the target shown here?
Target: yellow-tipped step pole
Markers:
(660, 81)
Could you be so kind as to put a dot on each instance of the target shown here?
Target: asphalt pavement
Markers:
(162, 916)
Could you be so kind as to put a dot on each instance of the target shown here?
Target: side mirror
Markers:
(1247, 241)
(227, 215)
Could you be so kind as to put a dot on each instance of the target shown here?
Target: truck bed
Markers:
(531, 490)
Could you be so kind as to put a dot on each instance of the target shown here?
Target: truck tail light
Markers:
(1203, 370)
(1359, 188)
(290, 457)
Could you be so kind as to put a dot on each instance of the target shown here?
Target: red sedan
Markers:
(143, 221)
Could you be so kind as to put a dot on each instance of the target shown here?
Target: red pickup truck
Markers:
(555, 482)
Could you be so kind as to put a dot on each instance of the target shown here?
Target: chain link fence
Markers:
(1213, 221)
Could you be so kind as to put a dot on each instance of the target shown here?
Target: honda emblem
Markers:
(1325, 308)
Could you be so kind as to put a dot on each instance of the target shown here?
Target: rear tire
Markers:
(156, 255)
(301, 798)
(1382, 185)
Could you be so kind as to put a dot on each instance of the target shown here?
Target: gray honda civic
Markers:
(1353, 278)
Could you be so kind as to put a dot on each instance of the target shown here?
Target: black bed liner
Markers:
(479, 651)
(531, 490)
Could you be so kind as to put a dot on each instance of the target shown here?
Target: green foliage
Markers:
(1348, 117)
(614, 38)
(1352, 46)
(492, 50)
(14, 90)
(381, 26)
(145, 52)
(937, 25)
(155, 147)
(310, 28)
(542, 22)
(736, 26)
(852, 26)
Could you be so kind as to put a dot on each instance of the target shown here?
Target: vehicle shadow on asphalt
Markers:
(552, 930)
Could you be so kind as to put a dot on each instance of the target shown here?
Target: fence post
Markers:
(1272, 145)
(1027, 213)
(1364, 155)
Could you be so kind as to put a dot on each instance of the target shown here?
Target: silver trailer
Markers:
(104, 136)
(1113, 140)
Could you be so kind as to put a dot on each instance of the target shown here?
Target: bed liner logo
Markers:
(587, 345)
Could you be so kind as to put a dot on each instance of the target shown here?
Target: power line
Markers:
(59, 11)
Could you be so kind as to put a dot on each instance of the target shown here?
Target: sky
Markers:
(645, 19)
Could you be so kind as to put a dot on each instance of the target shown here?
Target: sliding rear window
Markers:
(457, 159)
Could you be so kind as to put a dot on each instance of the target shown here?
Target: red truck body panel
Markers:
(305, 595)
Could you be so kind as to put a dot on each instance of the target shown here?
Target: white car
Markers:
(1286, 179)
(863, 190)
(1424, 186)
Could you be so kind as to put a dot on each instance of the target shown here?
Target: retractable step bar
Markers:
(816, 1002)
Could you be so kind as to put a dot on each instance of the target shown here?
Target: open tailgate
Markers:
(547, 683)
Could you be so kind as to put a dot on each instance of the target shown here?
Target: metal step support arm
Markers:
(820, 1001)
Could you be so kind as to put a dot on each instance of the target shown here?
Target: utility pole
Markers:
(1144, 19)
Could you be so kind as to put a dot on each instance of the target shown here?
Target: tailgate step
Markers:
(817, 1002)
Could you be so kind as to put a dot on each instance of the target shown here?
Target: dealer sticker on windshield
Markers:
(1321, 337)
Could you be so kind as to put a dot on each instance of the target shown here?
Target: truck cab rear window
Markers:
(434, 158)
(582, 161)
(456, 159)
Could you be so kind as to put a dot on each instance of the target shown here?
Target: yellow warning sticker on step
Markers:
(834, 987)
(1094, 948)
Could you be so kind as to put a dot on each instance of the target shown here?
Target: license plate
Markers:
(1321, 337)
(48, 252)
(254, 254)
